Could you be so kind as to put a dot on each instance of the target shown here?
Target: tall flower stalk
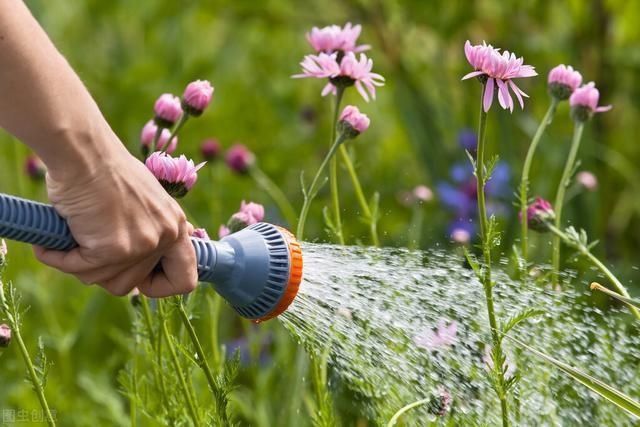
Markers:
(352, 122)
(486, 235)
(333, 170)
(496, 71)
(584, 104)
(565, 180)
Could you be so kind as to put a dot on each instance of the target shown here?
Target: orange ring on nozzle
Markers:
(295, 276)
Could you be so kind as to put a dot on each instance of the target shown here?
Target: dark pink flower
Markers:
(5, 335)
(167, 110)
(584, 102)
(499, 69)
(333, 38)
(149, 133)
(196, 97)
(176, 174)
(254, 210)
(200, 233)
(239, 158)
(440, 404)
(539, 214)
(353, 122)
(34, 167)
(210, 149)
(349, 71)
(563, 81)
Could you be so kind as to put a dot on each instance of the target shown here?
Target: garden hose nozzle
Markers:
(257, 270)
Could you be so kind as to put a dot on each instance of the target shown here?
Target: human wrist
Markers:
(80, 152)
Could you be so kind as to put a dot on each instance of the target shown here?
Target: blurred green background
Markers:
(129, 52)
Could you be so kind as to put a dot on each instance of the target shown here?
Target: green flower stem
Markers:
(215, 304)
(153, 339)
(202, 359)
(275, 193)
(524, 183)
(584, 250)
(486, 271)
(371, 220)
(311, 193)
(174, 132)
(333, 169)
(193, 412)
(156, 138)
(415, 229)
(560, 196)
(12, 314)
(394, 420)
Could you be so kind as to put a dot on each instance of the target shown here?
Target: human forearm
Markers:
(44, 102)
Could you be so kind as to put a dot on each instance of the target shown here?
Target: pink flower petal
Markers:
(488, 95)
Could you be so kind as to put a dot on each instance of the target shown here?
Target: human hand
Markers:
(125, 224)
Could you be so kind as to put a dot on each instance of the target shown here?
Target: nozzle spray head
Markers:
(258, 270)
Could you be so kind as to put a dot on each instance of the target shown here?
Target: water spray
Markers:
(257, 270)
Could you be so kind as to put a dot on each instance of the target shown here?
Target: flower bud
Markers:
(5, 335)
(167, 110)
(440, 404)
(210, 149)
(254, 210)
(239, 221)
(422, 194)
(584, 103)
(587, 180)
(239, 158)
(196, 97)
(177, 175)
(539, 214)
(352, 122)
(35, 168)
(200, 233)
(563, 81)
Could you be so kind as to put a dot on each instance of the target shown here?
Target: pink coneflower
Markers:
(149, 133)
(333, 38)
(443, 336)
(239, 158)
(196, 97)
(497, 69)
(167, 110)
(353, 122)
(584, 102)
(563, 80)
(254, 210)
(587, 180)
(440, 404)
(349, 71)
(176, 174)
(5, 335)
(210, 149)
(540, 214)
(200, 233)
(35, 168)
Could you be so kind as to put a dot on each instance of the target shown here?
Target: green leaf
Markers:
(604, 390)
(519, 317)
